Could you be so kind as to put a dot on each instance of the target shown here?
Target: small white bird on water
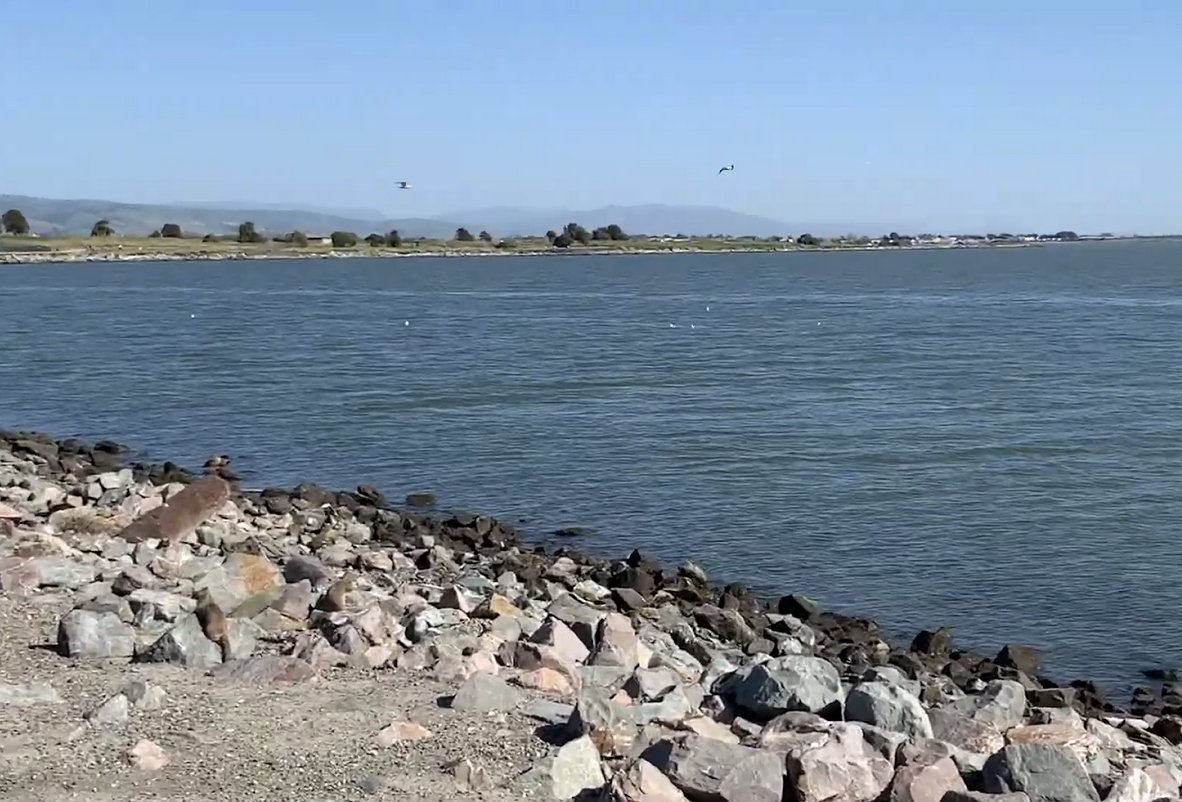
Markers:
(404, 185)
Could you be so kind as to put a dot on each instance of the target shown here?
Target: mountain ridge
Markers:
(51, 216)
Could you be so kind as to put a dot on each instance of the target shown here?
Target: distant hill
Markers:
(646, 219)
(51, 216)
(354, 213)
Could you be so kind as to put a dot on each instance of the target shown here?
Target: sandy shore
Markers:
(169, 636)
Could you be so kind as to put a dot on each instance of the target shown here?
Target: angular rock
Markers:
(115, 710)
(1139, 785)
(27, 695)
(808, 684)
(838, 767)
(147, 757)
(402, 732)
(558, 636)
(708, 769)
(927, 782)
(240, 578)
(576, 768)
(644, 782)
(484, 693)
(1044, 772)
(964, 732)
(63, 572)
(889, 707)
(184, 644)
(581, 618)
(266, 669)
(180, 516)
(82, 633)
(617, 643)
(1002, 703)
(611, 726)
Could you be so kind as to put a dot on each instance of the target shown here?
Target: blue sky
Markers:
(1040, 115)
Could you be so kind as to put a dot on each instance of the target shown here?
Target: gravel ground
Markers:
(227, 741)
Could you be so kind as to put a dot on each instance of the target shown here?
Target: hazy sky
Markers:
(1042, 114)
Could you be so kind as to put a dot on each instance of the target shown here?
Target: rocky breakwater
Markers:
(645, 683)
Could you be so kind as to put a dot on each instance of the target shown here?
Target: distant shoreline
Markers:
(247, 253)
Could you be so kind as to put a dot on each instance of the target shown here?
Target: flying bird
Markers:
(724, 169)
(404, 185)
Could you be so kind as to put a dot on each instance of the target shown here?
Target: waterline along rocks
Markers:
(645, 683)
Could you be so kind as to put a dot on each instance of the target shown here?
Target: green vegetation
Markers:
(171, 241)
(14, 222)
(248, 235)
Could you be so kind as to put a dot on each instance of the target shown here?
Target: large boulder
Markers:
(1002, 703)
(794, 683)
(890, 707)
(1044, 772)
(927, 781)
(838, 766)
(707, 770)
(82, 633)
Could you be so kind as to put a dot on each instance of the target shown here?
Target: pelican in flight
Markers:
(724, 169)
(404, 185)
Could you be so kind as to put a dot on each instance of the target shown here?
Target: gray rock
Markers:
(241, 577)
(581, 618)
(266, 669)
(1044, 772)
(110, 603)
(184, 644)
(965, 732)
(1002, 703)
(890, 675)
(27, 695)
(890, 707)
(297, 600)
(484, 693)
(979, 796)
(148, 605)
(617, 643)
(143, 695)
(82, 633)
(650, 684)
(576, 768)
(132, 578)
(115, 710)
(557, 635)
(299, 568)
(716, 771)
(809, 684)
(63, 572)
(549, 711)
(612, 726)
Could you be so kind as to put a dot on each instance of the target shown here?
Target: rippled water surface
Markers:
(984, 439)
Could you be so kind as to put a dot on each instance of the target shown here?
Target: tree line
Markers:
(14, 222)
